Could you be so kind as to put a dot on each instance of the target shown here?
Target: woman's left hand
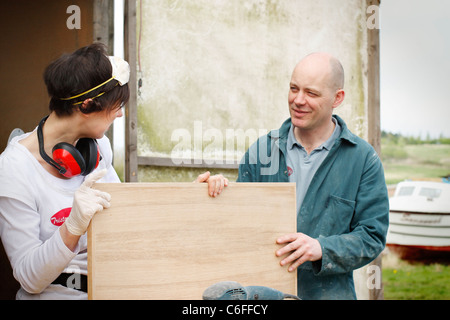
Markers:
(216, 183)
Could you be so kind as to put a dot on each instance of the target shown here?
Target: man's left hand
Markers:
(301, 247)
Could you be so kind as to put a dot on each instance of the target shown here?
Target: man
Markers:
(342, 201)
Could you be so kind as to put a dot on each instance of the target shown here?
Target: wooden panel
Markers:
(172, 241)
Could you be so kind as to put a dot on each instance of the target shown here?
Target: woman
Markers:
(46, 199)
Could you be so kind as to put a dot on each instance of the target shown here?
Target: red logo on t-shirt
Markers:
(58, 218)
(290, 171)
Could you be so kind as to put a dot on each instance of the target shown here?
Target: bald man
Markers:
(342, 200)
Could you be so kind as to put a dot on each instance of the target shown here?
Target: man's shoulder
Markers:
(351, 138)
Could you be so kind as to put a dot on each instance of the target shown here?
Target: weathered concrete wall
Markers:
(212, 66)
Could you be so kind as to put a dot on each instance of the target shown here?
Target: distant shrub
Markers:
(393, 152)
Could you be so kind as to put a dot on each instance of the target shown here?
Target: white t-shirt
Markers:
(33, 205)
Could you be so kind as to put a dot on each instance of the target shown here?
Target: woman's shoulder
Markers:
(17, 170)
(15, 155)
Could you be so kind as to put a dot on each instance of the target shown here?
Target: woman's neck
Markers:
(60, 129)
(54, 130)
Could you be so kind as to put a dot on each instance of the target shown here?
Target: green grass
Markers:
(417, 282)
(419, 161)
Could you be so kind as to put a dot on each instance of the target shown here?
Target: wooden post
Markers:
(103, 31)
(103, 24)
(131, 165)
(374, 131)
(373, 78)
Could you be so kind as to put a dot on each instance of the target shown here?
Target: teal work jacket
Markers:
(346, 208)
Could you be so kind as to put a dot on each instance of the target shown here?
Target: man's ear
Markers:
(340, 95)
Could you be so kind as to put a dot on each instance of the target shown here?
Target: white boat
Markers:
(419, 220)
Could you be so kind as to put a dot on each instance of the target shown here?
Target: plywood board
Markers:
(172, 241)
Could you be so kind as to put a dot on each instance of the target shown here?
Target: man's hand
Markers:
(301, 248)
(215, 183)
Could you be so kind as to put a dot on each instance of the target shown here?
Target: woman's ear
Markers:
(85, 105)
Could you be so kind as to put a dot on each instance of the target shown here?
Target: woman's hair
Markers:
(81, 71)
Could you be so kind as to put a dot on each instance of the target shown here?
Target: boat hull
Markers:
(419, 236)
(421, 253)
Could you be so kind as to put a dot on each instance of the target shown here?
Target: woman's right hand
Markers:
(86, 203)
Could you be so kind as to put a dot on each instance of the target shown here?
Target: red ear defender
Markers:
(88, 149)
(63, 153)
(81, 159)
(71, 161)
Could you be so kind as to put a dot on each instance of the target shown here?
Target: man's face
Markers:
(311, 94)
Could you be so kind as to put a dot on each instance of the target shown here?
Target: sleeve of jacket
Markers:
(367, 237)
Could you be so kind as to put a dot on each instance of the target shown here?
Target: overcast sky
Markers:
(415, 67)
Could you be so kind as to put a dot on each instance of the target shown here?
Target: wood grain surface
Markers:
(172, 241)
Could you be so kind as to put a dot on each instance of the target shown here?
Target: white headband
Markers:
(120, 69)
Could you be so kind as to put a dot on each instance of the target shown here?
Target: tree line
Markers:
(397, 138)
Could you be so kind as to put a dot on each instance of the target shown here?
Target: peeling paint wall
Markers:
(208, 66)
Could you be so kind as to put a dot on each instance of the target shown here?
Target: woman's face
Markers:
(99, 122)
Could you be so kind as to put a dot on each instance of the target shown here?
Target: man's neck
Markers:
(312, 138)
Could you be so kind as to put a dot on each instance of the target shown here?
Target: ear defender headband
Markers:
(71, 161)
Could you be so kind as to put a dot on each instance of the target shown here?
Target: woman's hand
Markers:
(87, 201)
(216, 183)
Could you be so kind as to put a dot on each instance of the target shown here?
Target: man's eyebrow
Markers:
(312, 89)
(306, 88)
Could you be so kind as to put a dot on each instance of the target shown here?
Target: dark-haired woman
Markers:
(46, 199)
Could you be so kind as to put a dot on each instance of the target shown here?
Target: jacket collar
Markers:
(346, 134)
